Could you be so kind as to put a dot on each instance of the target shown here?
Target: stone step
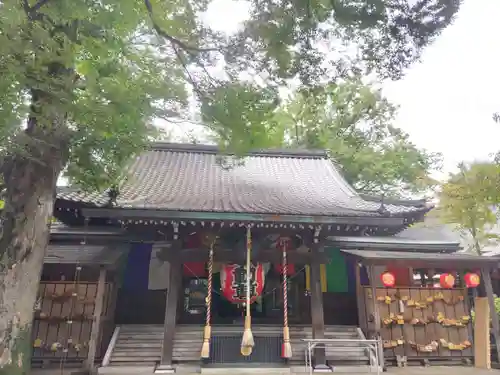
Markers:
(141, 344)
(264, 328)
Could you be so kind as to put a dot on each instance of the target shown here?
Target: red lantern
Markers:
(233, 282)
(388, 279)
(447, 280)
(194, 269)
(290, 269)
(472, 280)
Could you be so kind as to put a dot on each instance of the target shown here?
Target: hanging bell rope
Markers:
(205, 348)
(286, 350)
(247, 342)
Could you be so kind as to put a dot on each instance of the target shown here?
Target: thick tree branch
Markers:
(169, 37)
(38, 5)
(32, 11)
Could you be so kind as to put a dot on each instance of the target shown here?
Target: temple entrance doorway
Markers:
(267, 309)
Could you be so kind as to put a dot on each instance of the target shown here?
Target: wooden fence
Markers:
(63, 321)
(422, 322)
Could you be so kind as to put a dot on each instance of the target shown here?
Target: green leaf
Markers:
(107, 69)
(470, 199)
(350, 120)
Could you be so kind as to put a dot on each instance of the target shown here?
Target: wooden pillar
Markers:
(174, 285)
(423, 280)
(96, 322)
(317, 311)
(482, 333)
(376, 315)
(493, 314)
(412, 278)
(360, 299)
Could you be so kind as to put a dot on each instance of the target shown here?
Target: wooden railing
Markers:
(111, 346)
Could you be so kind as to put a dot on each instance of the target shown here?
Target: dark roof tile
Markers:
(89, 255)
(421, 259)
(197, 178)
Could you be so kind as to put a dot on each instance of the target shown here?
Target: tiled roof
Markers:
(433, 229)
(419, 259)
(395, 243)
(83, 254)
(180, 177)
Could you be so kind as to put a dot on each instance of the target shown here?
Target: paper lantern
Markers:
(472, 280)
(194, 269)
(234, 285)
(290, 269)
(447, 280)
(388, 279)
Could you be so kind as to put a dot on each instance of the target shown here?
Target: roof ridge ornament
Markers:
(113, 193)
(382, 210)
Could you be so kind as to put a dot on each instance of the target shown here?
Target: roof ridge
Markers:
(213, 149)
(395, 201)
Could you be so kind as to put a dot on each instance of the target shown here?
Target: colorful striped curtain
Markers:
(322, 277)
(334, 275)
(336, 272)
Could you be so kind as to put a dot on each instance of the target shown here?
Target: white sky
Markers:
(446, 100)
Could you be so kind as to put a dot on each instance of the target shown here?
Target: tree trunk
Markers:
(26, 218)
(30, 166)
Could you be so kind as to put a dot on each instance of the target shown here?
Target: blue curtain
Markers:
(351, 276)
(136, 274)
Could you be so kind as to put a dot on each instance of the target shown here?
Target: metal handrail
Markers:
(360, 333)
(111, 347)
(371, 341)
(371, 345)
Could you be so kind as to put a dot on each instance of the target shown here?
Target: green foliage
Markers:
(353, 122)
(497, 305)
(82, 80)
(470, 200)
(318, 37)
(317, 41)
(86, 62)
(91, 76)
(241, 115)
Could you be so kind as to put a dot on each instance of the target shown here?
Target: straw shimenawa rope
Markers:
(205, 348)
(247, 342)
(287, 346)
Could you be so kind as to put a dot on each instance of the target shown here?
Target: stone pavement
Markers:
(440, 370)
(412, 370)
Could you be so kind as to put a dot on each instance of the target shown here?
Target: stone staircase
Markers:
(138, 347)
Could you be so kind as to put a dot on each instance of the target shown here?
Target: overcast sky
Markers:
(446, 100)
